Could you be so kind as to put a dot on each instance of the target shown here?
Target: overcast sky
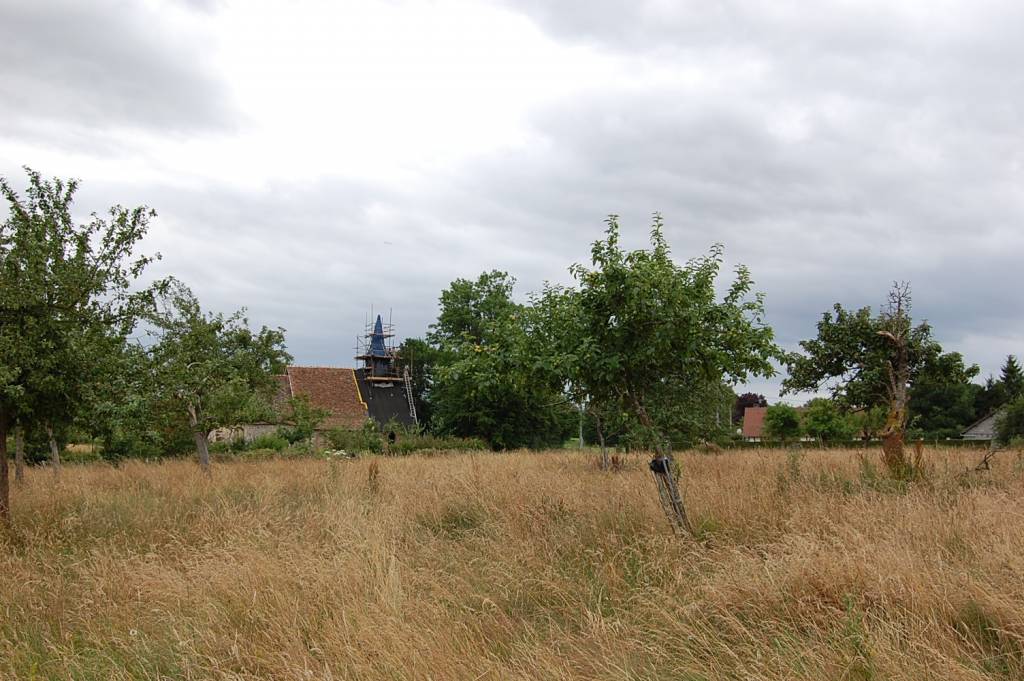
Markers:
(311, 159)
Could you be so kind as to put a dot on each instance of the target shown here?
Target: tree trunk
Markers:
(581, 429)
(19, 454)
(893, 456)
(898, 368)
(668, 491)
(202, 448)
(54, 451)
(600, 439)
(5, 485)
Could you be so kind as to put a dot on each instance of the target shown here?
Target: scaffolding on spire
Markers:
(376, 350)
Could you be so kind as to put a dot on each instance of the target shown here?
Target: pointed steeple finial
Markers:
(377, 346)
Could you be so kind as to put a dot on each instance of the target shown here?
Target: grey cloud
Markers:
(312, 257)
(831, 151)
(75, 73)
(923, 188)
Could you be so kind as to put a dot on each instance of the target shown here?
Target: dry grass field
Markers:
(515, 566)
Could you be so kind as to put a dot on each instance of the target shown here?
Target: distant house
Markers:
(984, 428)
(753, 423)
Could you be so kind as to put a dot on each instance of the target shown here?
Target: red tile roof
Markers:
(753, 421)
(333, 389)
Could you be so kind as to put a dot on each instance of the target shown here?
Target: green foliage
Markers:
(366, 439)
(212, 366)
(689, 413)
(867, 423)
(421, 358)
(37, 441)
(1010, 423)
(66, 300)
(470, 310)
(823, 420)
(1012, 378)
(646, 337)
(493, 380)
(304, 419)
(131, 416)
(782, 423)
(274, 441)
(991, 396)
(942, 397)
(877, 361)
(369, 440)
(851, 357)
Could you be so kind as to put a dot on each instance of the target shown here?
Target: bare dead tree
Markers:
(985, 463)
(896, 329)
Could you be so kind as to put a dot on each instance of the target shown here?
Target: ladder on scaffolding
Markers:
(408, 395)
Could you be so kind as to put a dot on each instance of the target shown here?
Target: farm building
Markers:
(377, 390)
(982, 429)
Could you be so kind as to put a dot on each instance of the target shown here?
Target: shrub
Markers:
(275, 441)
(407, 441)
(305, 419)
(1010, 424)
(823, 421)
(366, 439)
(782, 422)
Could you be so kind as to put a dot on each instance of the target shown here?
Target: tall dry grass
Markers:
(516, 566)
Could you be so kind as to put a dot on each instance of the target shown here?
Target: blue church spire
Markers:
(377, 347)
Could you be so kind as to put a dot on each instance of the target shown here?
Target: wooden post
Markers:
(19, 454)
(580, 447)
(668, 493)
(54, 451)
(600, 438)
(5, 489)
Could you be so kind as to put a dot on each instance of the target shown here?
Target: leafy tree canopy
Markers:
(1012, 378)
(472, 309)
(942, 397)
(991, 396)
(823, 420)
(1010, 424)
(640, 330)
(213, 366)
(67, 302)
(782, 422)
(421, 358)
(491, 377)
(850, 357)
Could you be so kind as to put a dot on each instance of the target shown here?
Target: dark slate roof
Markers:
(386, 401)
